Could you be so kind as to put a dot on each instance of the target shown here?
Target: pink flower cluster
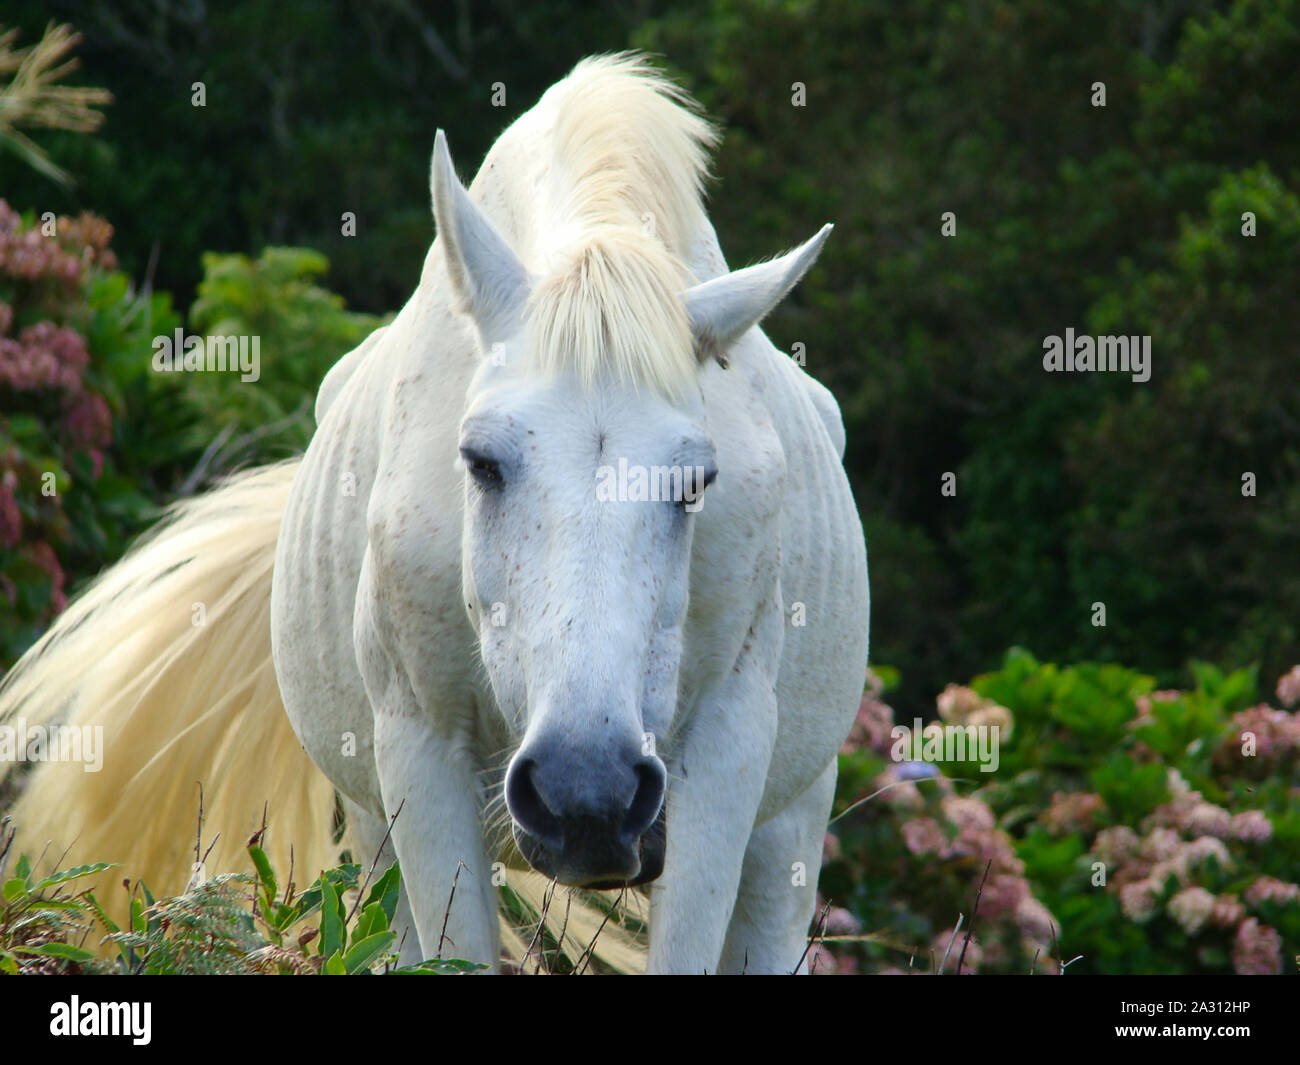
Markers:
(1256, 949)
(870, 730)
(960, 705)
(1288, 687)
(44, 357)
(1184, 841)
(966, 832)
(1263, 738)
(1270, 889)
(42, 371)
(1071, 811)
(823, 959)
(77, 243)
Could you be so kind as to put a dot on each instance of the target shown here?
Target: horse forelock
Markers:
(615, 309)
(630, 155)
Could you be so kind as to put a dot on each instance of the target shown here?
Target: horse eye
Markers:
(709, 477)
(486, 471)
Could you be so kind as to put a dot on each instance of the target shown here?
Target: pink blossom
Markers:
(1206, 819)
(1115, 845)
(1227, 911)
(1160, 844)
(1035, 920)
(1252, 826)
(840, 922)
(1270, 889)
(871, 728)
(1256, 950)
(1138, 900)
(1204, 848)
(922, 835)
(956, 702)
(1288, 685)
(966, 812)
(1071, 812)
(1003, 893)
(830, 848)
(969, 964)
(1271, 734)
(1191, 908)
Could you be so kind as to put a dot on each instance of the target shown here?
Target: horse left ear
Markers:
(490, 282)
(723, 309)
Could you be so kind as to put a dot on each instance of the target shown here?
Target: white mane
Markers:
(623, 198)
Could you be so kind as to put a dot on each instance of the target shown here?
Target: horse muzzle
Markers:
(593, 858)
(588, 822)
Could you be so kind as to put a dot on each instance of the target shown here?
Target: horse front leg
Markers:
(778, 889)
(438, 835)
(372, 847)
(713, 799)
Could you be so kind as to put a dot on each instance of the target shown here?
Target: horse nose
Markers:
(551, 793)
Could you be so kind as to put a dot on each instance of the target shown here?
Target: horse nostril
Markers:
(651, 780)
(527, 808)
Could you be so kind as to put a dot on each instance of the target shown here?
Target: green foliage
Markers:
(1147, 831)
(311, 110)
(87, 433)
(231, 924)
(92, 441)
(1124, 219)
(38, 918)
(302, 330)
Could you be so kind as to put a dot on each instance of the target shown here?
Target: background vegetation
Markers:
(1127, 219)
(1071, 489)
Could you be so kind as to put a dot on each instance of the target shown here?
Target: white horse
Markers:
(500, 593)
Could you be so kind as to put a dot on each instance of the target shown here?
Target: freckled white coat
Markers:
(381, 666)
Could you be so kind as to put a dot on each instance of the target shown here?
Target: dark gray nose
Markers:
(581, 814)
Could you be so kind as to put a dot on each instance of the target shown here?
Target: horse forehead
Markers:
(544, 413)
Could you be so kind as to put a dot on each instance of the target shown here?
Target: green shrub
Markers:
(232, 924)
(302, 330)
(1141, 831)
(86, 432)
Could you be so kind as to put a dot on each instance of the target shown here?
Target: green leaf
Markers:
(8, 963)
(75, 873)
(138, 923)
(56, 906)
(372, 920)
(333, 934)
(24, 867)
(59, 950)
(364, 951)
(385, 891)
(104, 918)
(264, 873)
(15, 889)
(439, 967)
(334, 966)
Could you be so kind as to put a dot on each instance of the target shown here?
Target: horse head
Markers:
(586, 451)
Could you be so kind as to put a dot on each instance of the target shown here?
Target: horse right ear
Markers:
(723, 309)
(490, 282)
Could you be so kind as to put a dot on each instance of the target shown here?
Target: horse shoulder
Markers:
(341, 372)
(827, 409)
